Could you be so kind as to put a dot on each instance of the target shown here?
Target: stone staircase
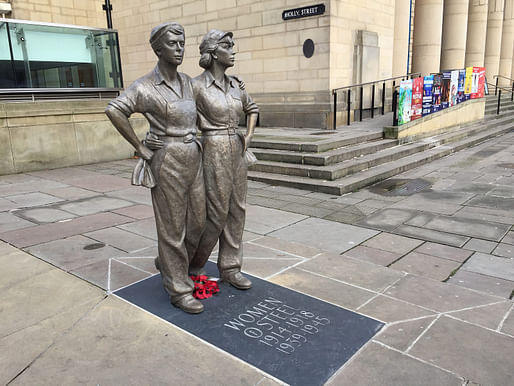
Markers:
(350, 158)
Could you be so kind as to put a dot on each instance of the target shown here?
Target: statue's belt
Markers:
(188, 138)
(227, 131)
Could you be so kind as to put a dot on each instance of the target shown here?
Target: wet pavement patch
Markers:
(291, 336)
(93, 246)
(400, 187)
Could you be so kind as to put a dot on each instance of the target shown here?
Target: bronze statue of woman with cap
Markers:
(165, 97)
(220, 102)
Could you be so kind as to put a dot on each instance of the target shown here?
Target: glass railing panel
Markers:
(52, 56)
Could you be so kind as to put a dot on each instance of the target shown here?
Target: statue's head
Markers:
(168, 36)
(218, 46)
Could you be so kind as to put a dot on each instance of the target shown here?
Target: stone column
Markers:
(493, 38)
(426, 48)
(401, 36)
(507, 43)
(455, 22)
(477, 29)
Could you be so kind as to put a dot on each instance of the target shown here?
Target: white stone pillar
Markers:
(455, 23)
(477, 30)
(401, 36)
(493, 38)
(507, 43)
(426, 48)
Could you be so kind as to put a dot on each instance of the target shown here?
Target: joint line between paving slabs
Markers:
(285, 269)
(500, 326)
(411, 320)
(472, 307)
(55, 340)
(423, 333)
(379, 293)
(279, 250)
(264, 374)
(418, 359)
(138, 281)
(480, 326)
(132, 266)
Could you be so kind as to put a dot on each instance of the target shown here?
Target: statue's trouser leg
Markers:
(178, 172)
(225, 183)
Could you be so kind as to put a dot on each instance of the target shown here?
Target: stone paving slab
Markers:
(265, 220)
(445, 342)
(70, 193)
(138, 212)
(10, 222)
(388, 309)
(504, 250)
(44, 215)
(372, 255)
(352, 271)
(479, 245)
(501, 267)
(393, 243)
(402, 334)
(509, 238)
(116, 335)
(135, 194)
(28, 187)
(426, 265)
(472, 228)
(28, 200)
(297, 249)
(437, 296)
(444, 252)
(325, 234)
(378, 365)
(323, 288)
(43, 233)
(94, 205)
(486, 214)
(74, 252)
(432, 235)
(100, 183)
(121, 239)
(491, 202)
(145, 228)
(489, 316)
(488, 284)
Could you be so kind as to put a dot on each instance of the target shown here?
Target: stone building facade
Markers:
(354, 41)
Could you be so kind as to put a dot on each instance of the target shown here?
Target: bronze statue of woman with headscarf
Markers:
(220, 102)
(165, 97)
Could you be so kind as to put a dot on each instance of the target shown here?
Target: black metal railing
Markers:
(498, 93)
(497, 77)
(360, 88)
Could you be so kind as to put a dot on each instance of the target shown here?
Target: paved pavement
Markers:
(436, 266)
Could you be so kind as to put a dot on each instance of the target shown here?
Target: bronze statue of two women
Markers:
(198, 185)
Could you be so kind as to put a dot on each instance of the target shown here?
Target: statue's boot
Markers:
(189, 304)
(236, 279)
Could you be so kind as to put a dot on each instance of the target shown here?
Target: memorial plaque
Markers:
(291, 336)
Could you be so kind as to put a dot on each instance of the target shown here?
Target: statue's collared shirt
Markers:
(220, 106)
(169, 111)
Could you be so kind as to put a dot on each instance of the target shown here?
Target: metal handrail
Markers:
(498, 91)
(361, 91)
(503, 77)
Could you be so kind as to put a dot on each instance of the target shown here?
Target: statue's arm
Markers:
(122, 124)
(251, 122)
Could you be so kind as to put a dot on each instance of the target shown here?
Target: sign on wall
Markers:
(428, 83)
(297, 13)
(436, 93)
(417, 98)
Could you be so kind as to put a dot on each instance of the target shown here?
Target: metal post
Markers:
(361, 93)
(335, 108)
(395, 110)
(349, 103)
(107, 7)
(496, 86)
(383, 97)
(499, 98)
(512, 93)
(373, 101)
(13, 67)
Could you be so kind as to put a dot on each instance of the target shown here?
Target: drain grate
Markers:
(324, 132)
(90, 247)
(400, 187)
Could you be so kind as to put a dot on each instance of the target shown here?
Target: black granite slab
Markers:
(291, 336)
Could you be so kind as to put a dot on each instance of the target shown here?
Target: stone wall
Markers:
(78, 12)
(46, 135)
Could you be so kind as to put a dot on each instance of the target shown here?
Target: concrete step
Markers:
(315, 147)
(324, 158)
(383, 171)
(341, 169)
